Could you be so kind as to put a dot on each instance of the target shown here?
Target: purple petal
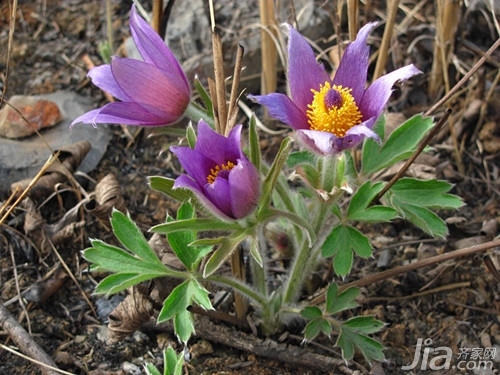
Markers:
(219, 194)
(364, 129)
(217, 147)
(317, 141)
(244, 188)
(377, 95)
(186, 182)
(353, 66)
(154, 50)
(120, 113)
(103, 78)
(304, 72)
(148, 86)
(349, 141)
(194, 163)
(283, 109)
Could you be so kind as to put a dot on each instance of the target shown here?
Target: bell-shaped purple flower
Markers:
(332, 115)
(219, 173)
(152, 92)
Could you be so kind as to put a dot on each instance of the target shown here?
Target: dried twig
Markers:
(464, 79)
(24, 340)
(414, 266)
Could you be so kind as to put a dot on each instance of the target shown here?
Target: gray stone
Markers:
(23, 158)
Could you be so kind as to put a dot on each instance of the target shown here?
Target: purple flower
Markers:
(151, 92)
(219, 173)
(332, 115)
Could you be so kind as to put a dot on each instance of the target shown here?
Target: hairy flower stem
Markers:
(327, 168)
(304, 262)
(196, 113)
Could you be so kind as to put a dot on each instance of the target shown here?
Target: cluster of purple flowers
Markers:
(328, 115)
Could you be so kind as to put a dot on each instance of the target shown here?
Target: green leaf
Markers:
(315, 327)
(255, 250)
(400, 145)
(311, 312)
(177, 301)
(131, 237)
(173, 363)
(336, 302)
(342, 263)
(205, 97)
(341, 243)
(183, 325)
(253, 136)
(353, 334)
(414, 198)
(371, 147)
(151, 369)
(426, 193)
(181, 240)
(358, 208)
(365, 324)
(222, 252)
(363, 197)
(120, 281)
(310, 174)
(165, 185)
(423, 218)
(191, 135)
(197, 225)
(200, 295)
(111, 258)
(176, 305)
(274, 172)
(375, 214)
(301, 157)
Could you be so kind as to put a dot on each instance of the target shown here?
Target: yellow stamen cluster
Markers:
(218, 168)
(336, 119)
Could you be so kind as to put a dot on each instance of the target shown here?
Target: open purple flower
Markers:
(219, 173)
(332, 115)
(151, 92)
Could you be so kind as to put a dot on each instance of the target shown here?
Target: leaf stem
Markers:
(240, 287)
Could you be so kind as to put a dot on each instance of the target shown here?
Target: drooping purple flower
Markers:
(219, 173)
(152, 92)
(332, 115)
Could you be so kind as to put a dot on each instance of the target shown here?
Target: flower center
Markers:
(219, 170)
(333, 110)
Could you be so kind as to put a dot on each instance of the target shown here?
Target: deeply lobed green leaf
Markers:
(341, 243)
(400, 144)
(354, 335)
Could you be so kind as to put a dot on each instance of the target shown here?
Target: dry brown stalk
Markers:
(392, 9)
(352, 17)
(448, 17)
(156, 16)
(269, 52)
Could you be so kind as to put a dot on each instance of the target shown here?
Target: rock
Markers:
(40, 113)
(23, 158)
